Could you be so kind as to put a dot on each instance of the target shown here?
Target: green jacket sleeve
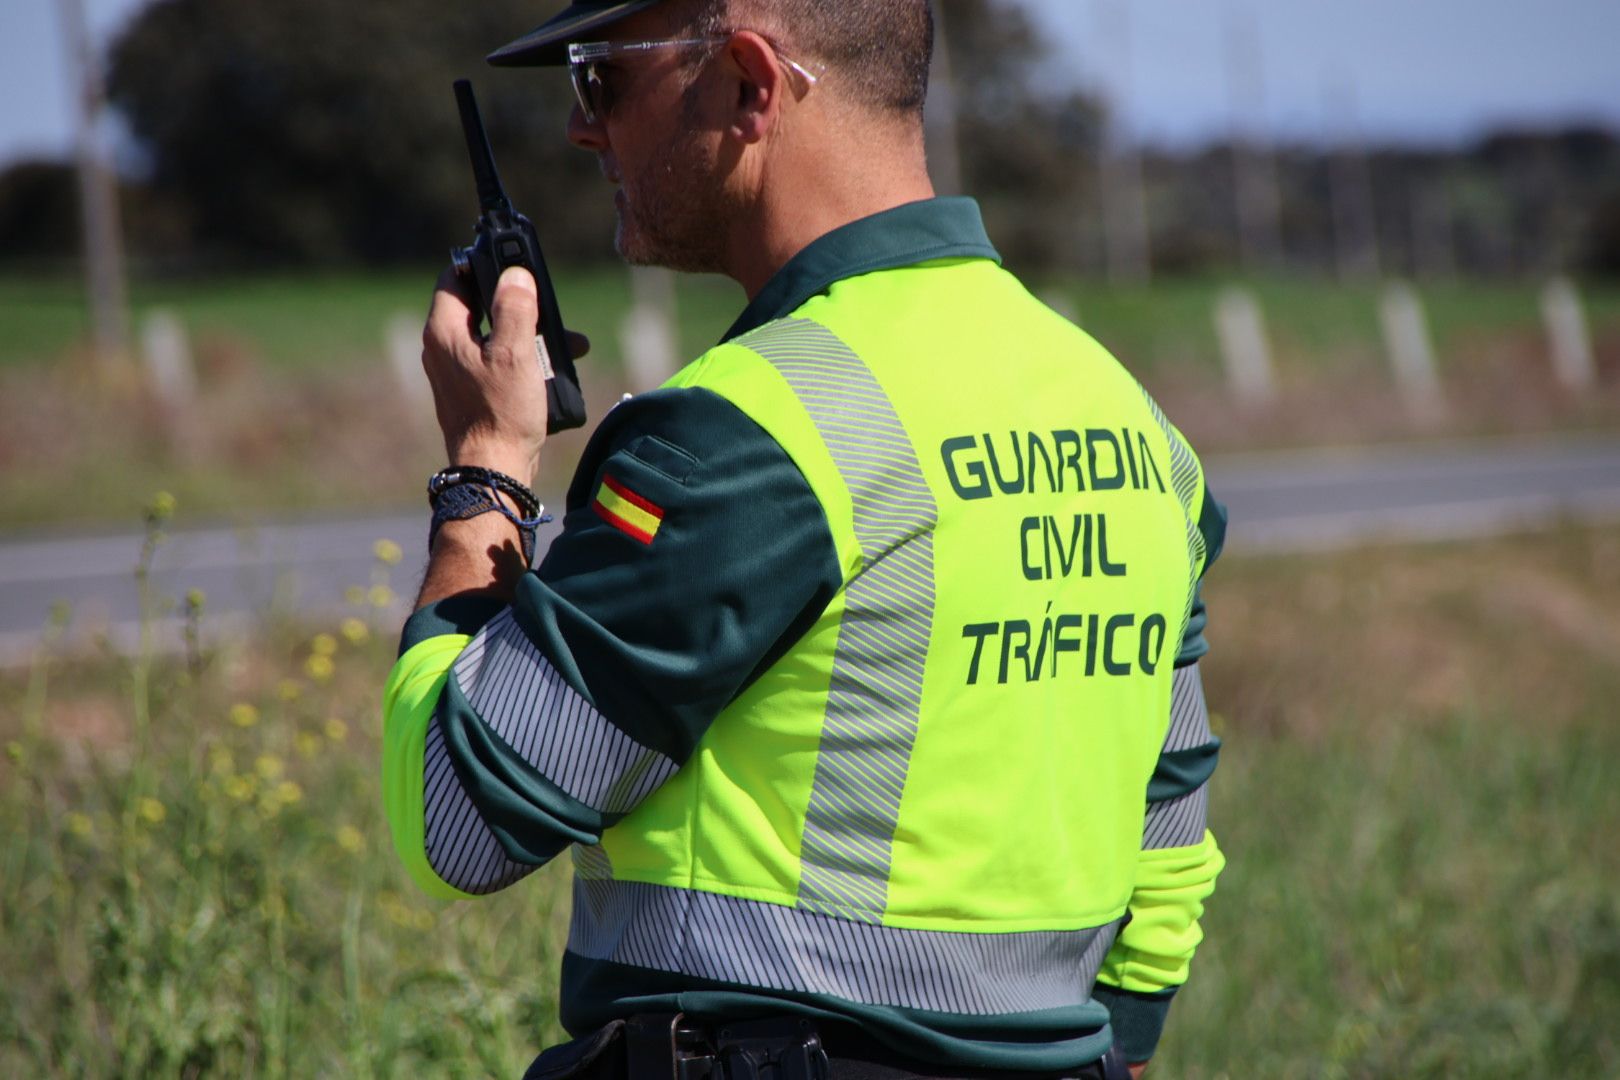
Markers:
(1180, 860)
(693, 553)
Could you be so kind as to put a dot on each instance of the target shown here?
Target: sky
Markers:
(1408, 70)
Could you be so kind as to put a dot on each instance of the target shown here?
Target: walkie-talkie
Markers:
(507, 238)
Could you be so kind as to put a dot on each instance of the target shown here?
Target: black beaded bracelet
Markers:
(527, 503)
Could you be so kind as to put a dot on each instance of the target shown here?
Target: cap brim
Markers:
(547, 44)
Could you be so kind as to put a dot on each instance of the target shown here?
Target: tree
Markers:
(39, 213)
(306, 131)
(1029, 146)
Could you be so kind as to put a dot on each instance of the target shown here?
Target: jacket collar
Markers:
(944, 228)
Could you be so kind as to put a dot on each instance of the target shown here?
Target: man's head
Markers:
(730, 123)
(877, 50)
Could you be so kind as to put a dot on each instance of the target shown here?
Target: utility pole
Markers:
(98, 196)
(1254, 169)
(1124, 202)
(945, 153)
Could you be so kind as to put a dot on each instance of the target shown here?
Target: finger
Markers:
(452, 322)
(516, 314)
(578, 344)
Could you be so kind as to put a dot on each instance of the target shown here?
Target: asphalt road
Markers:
(1279, 503)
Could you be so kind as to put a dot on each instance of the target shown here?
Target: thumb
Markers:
(514, 316)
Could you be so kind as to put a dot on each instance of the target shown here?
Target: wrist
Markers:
(520, 463)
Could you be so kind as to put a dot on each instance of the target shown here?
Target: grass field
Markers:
(328, 322)
(1415, 797)
(298, 410)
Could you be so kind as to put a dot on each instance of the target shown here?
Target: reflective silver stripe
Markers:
(875, 695)
(460, 847)
(1176, 822)
(1189, 718)
(1186, 480)
(773, 947)
(522, 698)
(1180, 822)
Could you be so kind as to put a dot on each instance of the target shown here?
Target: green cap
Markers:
(547, 43)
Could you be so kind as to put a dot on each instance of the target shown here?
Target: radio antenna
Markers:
(491, 196)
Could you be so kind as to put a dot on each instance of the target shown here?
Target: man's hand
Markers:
(490, 396)
(489, 393)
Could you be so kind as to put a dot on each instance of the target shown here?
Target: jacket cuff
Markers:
(1137, 1019)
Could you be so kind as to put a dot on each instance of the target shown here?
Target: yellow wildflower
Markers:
(387, 552)
(151, 810)
(244, 715)
(289, 689)
(354, 630)
(309, 744)
(336, 729)
(350, 839)
(268, 766)
(288, 792)
(241, 788)
(220, 761)
(323, 644)
(80, 825)
(320, 668)
(380, 596)
(161, 508)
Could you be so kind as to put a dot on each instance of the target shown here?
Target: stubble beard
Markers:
(674, 212)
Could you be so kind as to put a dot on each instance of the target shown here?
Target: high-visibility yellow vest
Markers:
(934, 800)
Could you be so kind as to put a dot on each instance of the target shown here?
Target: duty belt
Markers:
(669, 1046)
(664, 1046)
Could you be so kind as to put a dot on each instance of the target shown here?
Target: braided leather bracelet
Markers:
(464, 491)
(528, 505)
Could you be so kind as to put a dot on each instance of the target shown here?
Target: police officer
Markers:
(861, 684)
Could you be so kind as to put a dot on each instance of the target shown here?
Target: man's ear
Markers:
(760, 84)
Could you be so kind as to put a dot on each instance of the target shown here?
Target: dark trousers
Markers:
(668, 1047)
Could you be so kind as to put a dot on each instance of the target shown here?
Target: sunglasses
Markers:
(585, 61)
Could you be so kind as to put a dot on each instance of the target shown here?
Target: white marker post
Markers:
(171, 378)
(1241, 330)
(647, 332)
(166, 353)
(1411, 352)
(1567, 331)
(402, 339)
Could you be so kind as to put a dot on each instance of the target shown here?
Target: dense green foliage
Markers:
(195, 877)
(305, 131)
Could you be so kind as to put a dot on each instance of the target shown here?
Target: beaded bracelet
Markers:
(456, 475)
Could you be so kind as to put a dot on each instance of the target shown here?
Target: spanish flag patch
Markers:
(626, 511)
